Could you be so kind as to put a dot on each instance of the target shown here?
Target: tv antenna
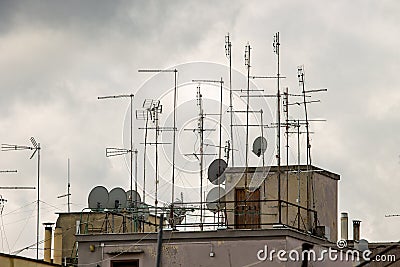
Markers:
(112, 151)
(152, 110)
(175, 72)
(36, 149)
(310, 179)
(68, 194)
(14, 187)
(200, 156)
(228, 53)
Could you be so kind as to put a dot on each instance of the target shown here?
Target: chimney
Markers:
(57, 246)
(48, 228)
(356, 230)
(344, 219)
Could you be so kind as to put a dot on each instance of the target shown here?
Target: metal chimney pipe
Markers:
(356, 230)
(344, 225)
(48, 229)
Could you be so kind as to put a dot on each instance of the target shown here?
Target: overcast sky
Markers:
(57, 57)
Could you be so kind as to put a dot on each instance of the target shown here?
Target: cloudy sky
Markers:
(56, 58)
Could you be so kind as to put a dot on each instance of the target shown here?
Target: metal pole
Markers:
(201, 126)
(156, 143)
(220, 142)
(159, 241)
(229, 54)
(247, 131)
(174, 141)
(144, 160)
(68, 188)
(277, 44)
(131, 150)
(38, 203)
(287, 152)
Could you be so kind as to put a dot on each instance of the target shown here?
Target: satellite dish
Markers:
(143, 211)
(215, 194)
(215, 171)
(98, 198)
(135, 198)
(116, 198)
(259, 146)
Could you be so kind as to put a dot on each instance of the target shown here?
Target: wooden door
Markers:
(247, 209)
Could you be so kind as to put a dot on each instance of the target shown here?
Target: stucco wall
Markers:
(16, 261)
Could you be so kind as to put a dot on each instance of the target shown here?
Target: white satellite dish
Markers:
(116, 198)
(98, 198)
(215, 194)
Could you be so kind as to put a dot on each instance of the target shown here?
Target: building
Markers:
(93, 222)
(253, 216)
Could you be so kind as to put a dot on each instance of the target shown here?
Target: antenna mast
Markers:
(36, 148)
(228, 52)
(175, 71)
(276, 46)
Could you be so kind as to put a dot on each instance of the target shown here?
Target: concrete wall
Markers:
(230, 248)
(293, 190)
(94, 223)
(17, 261)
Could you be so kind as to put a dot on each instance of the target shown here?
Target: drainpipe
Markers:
(344, 226)
(48, 229)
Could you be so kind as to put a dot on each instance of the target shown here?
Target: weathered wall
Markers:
(232, 248)
(90, 223)
(16, 261)
(293, 190)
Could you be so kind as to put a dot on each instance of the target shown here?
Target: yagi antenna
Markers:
(36, 149)
(175, 72)
(110, 152)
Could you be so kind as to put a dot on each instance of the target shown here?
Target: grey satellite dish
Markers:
(215, 194)
(98, 198)
(259, 146)
(116, 198)
(143, 211)
(135, 198)
(216, 170)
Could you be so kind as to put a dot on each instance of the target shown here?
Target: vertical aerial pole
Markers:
(38, 201)
(68, 188)
(287, 145)
(228, 52)
(201, 132)
(262, 137)
(131, 151)
(247, 64)
(298, 164)
(144, 159)
(300, 74)
(174, 142)
(276, 46)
